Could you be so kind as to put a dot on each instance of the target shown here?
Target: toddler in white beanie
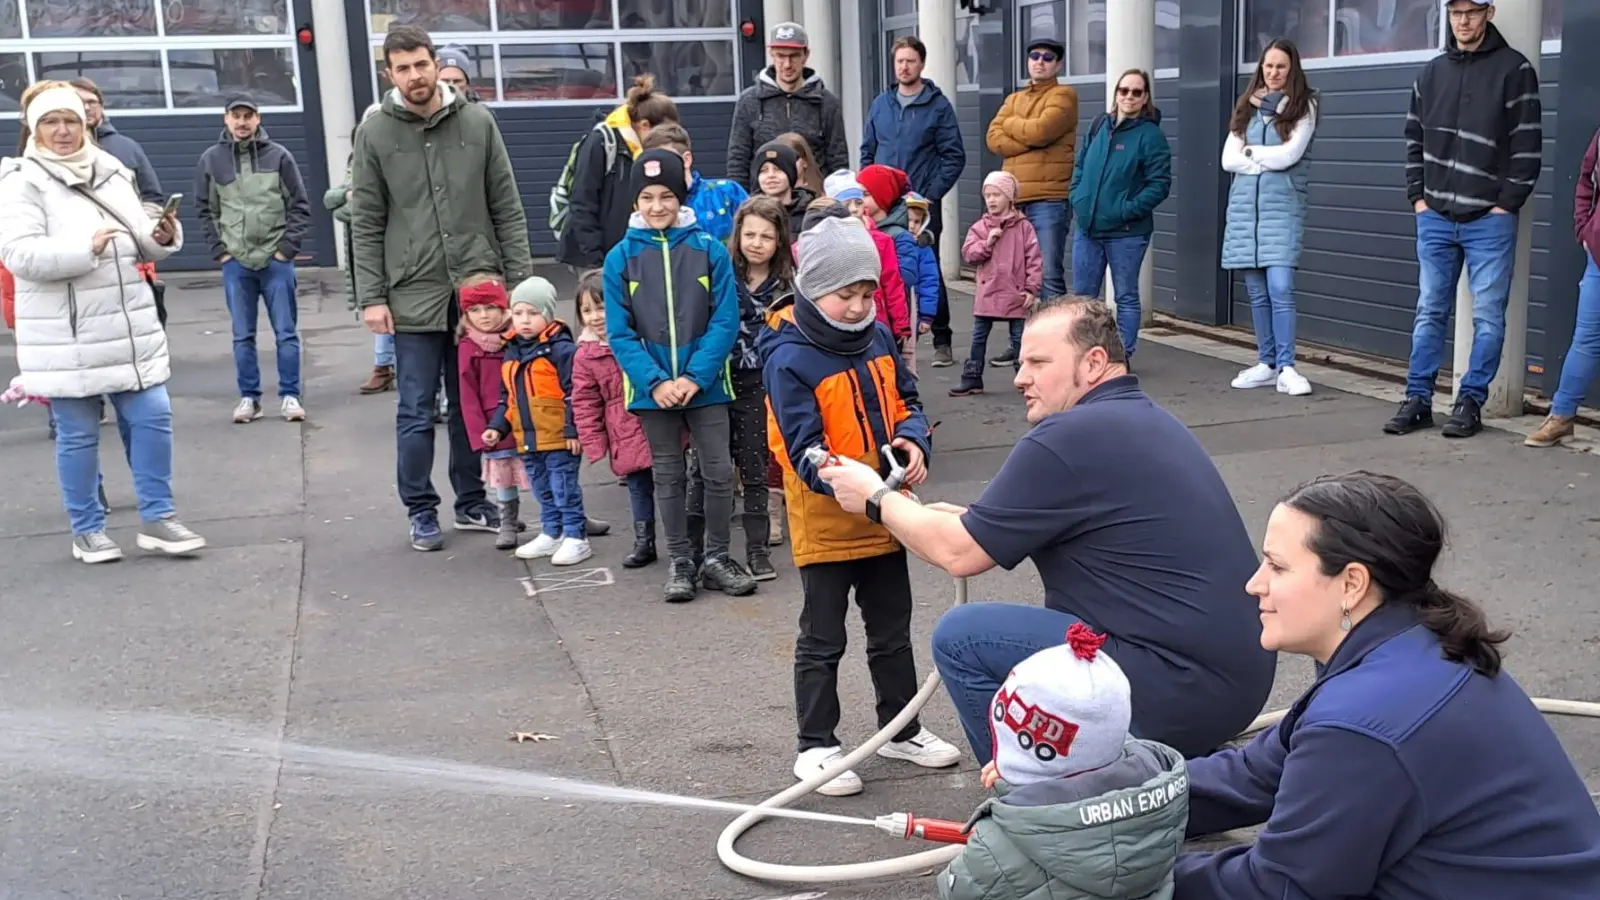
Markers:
(1085, 810)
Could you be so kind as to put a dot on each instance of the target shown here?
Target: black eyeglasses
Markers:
(1042, 56)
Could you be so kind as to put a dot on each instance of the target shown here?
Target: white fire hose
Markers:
(929, 859)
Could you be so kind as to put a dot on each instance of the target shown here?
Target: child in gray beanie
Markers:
(835, 382)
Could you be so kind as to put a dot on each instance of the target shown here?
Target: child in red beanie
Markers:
(885, 204)
(485, 313)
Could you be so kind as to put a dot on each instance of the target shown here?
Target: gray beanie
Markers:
(538, 293)
(835, 253)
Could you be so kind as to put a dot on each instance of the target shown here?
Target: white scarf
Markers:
(76, 167)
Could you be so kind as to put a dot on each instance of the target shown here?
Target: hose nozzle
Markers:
(908, 826)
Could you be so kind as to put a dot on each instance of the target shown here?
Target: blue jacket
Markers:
(714, 201)
(1123, 172)
(1399, 775)
(920, 139)
(672, 310)
(896, 224)
(129, 153)
(928, 280)
(1266, 212)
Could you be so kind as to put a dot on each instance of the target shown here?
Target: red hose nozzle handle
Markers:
(908, 826)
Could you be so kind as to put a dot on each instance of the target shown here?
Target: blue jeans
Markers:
(980, 335)
(1050, 219)
(421, 359)
(1487, 246)
(1583, 357)
(145, 420)
(554, 475)
(1272, 312)
(642, 495)
(276, 285)
(383, 350)
(1125, 256)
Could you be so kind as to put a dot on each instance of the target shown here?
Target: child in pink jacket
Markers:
(480, 352)
(605, 426)
(1005, 250)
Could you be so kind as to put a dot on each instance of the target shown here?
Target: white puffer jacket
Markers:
(86, 324)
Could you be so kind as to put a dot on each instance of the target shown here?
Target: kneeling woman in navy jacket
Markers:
(1414, 768)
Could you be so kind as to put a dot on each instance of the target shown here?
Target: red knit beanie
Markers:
(489, 293)
(886, 186)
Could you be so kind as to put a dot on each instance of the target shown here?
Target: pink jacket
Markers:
(605, 427)
(891, 298)
(1008, 270)
(1586, 223)
(481, 386)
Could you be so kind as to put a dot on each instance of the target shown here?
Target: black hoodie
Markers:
(766, 110)
(1474, 134)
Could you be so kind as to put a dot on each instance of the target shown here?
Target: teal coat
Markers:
(1266, 212)
(1124, 171)
(1110, 834)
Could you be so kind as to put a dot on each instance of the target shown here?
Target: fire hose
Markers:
(947, 834)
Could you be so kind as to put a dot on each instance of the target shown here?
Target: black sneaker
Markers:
(1466, 419)
(680, 581)
(484, 518)
(723, 574)
(1415, 413)
(1007, 358)
(761, 564)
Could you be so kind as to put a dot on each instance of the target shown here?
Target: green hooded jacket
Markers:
(435, 201)
(1110, 834)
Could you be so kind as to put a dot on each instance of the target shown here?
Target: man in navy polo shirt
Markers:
(1131, 528)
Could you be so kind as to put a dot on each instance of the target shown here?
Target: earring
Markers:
(1344, 622)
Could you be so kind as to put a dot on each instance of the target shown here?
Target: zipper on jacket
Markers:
(72, 309)
(122, 297)
(672, 310)
(870, 439)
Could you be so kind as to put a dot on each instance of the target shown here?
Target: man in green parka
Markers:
(434, 201)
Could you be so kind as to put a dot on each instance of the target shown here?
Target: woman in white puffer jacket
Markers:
(72, 232)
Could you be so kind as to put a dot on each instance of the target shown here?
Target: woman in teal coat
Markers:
(1271, 130)
(1124, 172)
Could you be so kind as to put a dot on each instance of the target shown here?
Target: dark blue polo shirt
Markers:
(1133, 531)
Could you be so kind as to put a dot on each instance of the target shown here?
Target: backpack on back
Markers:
(561, 193)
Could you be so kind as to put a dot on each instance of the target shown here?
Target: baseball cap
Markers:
(241, 101)
(1048, 43)
(789, 35)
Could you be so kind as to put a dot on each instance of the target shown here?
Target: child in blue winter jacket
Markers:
(714, 200)
(926, 288)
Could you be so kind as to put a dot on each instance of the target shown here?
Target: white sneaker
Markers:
(1258, 375)
(292, 410)
(809, 763)
(571, 552)
(1292, 383)
(925, 748)
(248, 410)
(538, 548)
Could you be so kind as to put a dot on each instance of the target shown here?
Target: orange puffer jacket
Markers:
(1036, 132)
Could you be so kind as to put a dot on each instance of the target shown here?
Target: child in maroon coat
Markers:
(605, 426)
(485, 314)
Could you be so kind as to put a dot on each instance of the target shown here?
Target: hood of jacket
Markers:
(228, 140)
(1492, 40)
(811, 88)
(640, 234)
(523, 349)
(897, 219)
(1114, 843)
(620, 120)
(930, 92)
(395, 105)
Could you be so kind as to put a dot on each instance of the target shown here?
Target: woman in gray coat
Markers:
(1271, 130)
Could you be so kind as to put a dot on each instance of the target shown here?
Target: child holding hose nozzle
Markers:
(1083, 809)
(835, 385)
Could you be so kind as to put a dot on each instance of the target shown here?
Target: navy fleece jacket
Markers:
(1399, 775)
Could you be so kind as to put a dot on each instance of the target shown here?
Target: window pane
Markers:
(683, 68)
(1042, 20)
(10, 22)
(91, 18)
(675, 13)
(1385, 26)
(1553, 15)
(13, 79)
(533, 15)
(1086, 50)
(130, 79)
(433, 15)
(559, 71)
(227, 17)
(966, 51)
(204, 78)
(1303, 21)
(1167, 34)
(892, 8)
(476, 62)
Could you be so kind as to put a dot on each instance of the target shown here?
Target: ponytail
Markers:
(1463, 629)
(646, 104)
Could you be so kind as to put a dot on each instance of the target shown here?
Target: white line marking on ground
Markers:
(565, 581)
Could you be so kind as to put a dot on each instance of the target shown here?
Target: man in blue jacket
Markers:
(912, 127)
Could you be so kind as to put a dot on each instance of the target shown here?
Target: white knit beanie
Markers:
(56, 99)
(842, 186)
(836, 253)
(1061, 711)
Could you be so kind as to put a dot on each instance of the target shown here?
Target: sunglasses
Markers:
(1042, 56)
(1130, 92)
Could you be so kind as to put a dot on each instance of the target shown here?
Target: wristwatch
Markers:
(875, 505)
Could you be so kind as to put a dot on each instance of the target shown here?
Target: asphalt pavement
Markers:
(309, 619)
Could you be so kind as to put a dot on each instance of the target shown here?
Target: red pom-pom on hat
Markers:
(1085, 643)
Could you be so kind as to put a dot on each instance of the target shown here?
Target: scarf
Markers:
(488, 343)
(75, 168)
(831, 335)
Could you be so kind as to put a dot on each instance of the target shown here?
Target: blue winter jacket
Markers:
(1123, 172)
(672, 310)
(1399, 775)
(920, 139)
(927, 283)
(715, 201)
(1266, 212)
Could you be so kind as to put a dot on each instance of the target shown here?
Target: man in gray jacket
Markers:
(786, 97)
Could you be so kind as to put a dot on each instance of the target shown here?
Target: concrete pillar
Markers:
(1131, 44)
(1522, 24)
(773, 12)
(821, 19)
(936, 26)
(332, 48)
(852, 87)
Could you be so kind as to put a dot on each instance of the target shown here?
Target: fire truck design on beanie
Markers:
(1061, 711)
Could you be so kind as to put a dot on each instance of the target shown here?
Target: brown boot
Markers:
(1551, 432)
(775, 516)
(382, 380)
